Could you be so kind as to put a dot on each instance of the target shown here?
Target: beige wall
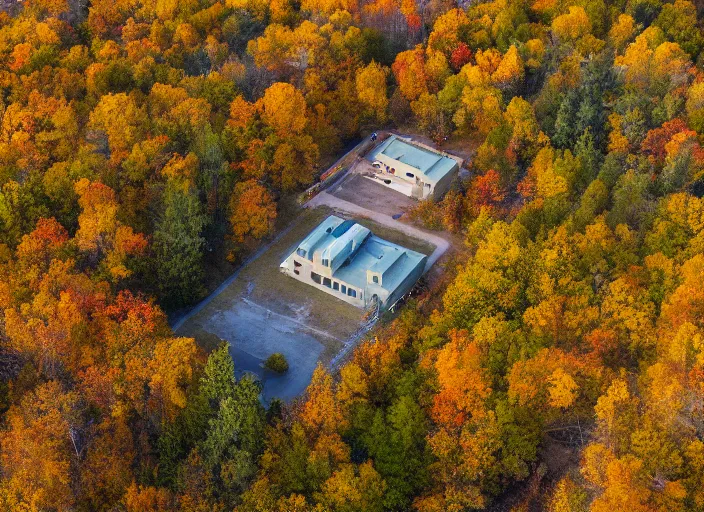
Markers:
(401, 168)
(304, 276)
(442, 186)
(436, 190)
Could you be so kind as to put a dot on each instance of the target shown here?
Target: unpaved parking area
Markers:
(254, 332)
(362, 191)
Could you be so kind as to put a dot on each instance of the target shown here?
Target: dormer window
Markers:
(375, 279)
(326, 262)
(301, 252)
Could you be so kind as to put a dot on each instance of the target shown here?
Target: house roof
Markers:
(368, 253)
(345, 244)
(321, 236)
(392, 261)
(432, 164)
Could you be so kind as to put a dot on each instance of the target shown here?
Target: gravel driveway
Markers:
(441, 244)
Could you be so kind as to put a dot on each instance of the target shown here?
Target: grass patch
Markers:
(207, 340)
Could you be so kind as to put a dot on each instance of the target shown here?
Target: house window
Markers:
(296, 264)
(295, 271)
(336, 286)
(344, 289)
(326, 262)
(375, 279)
(352, 293)
(316, 277)
(301, 252)
(410, 175)
(327, 282)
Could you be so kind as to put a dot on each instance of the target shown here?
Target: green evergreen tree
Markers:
(218, 381)
(238, 425)
(178, 246)
(632, 202)
(589, 158)
(396, 443)
(592, 203)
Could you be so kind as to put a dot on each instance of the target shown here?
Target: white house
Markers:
(346, 260)
(413, 169)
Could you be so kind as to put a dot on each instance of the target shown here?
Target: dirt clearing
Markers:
(362, 191)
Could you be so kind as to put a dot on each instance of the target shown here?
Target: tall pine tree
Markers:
(178, 245)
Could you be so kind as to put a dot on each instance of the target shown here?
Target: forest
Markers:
(145, 142)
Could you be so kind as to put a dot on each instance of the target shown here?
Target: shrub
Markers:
(276, 362)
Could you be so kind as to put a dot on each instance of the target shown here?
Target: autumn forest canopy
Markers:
(144, 143)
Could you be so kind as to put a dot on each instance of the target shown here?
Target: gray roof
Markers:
(432, 164)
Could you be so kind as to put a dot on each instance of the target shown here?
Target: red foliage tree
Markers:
(486, 191)
(654, 143)
(461, 55)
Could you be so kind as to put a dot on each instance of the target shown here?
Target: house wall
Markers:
(304, 275)
(317, 264)
(401, 168)
(425, 191)
(373, 289)
(407, 283)
(442, 186)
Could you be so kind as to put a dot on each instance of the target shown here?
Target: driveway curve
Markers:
(441, 245)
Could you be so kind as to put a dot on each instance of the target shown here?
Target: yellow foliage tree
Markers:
(622, 31)
(284, 109)
(571, 26)
(122, 122)
(409, 70)
(510, 71)
(445, 34)
(371, 89)
(252, 211)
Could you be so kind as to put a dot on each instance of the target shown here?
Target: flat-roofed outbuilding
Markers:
(414, 169)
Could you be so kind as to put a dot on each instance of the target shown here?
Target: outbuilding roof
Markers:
(432, 164)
